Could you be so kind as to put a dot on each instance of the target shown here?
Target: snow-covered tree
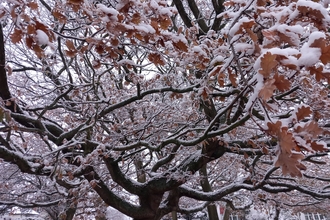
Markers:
(155, 107)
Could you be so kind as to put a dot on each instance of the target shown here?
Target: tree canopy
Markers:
(153, 106)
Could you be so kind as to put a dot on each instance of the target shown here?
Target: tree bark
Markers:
(174, 215)
(227, 213)
(277, 213)
(206, 186)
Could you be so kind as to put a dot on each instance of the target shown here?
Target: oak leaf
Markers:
(59, 16)
(33, 5)
(286, 141)
(290, 164)
(75, 2)
(181, 46)
(156, 59)
(318, 146)
(221, 79)
(270, 35)
(310, 129)
(16, 37)
(303, 112)
(281, 83)
(232, 78)
(325, 57)
(319, 73)
(287, 39)
(319, 42)
(136, 18)
(267, 91)
(165, 22)
(70, 45)
(29, 42)
(274, 128)
(314, 13)
(267, 63)
(31, 29)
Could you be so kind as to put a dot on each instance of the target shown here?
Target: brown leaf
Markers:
(136, 18)
(267, 63)
(75, 2)
(16, 37)
(286, 141)
(281, 83)
(261, 2)
(264, 150)
(270, 34)
(221, 79)
(31, 29)
(70, 53)
(267, 91)
(99, 49)
(33, 5)
(290, 164)
(59, 16)
(181, 46)
(232, 77)
(252, 35)
(9, 70)
(310, 129)
(2, 13)
(325, 57)
(39, 52)
(70, 45)
(320, 43)
(45, 29)
(318, 147)
(311, 12)
(165, 22)
(287, 39)
(114, 42)
(319, 73)
(303, 112)
(274, 128)
(26, 18)
(156, 59)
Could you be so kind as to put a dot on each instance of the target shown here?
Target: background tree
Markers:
(145, 106)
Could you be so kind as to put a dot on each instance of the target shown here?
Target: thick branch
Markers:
(201, 22)
(182, 12)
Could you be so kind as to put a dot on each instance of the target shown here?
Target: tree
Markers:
(148, 107)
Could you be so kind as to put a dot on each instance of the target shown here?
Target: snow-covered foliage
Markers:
(161, 107)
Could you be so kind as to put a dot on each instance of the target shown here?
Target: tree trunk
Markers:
(211, 209)
(174, 215)
(140, 173)
(227, 213)
(277, 213)
(70, 212)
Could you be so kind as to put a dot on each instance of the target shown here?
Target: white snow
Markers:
(260, 83)
(109, 11)
(166, 11)
(126, 62)
(199, 50)
(315, 36)
(242, 47)
(153, 4)
(309, 55)
(42, 38)
(217, 59)
(145, 28)
(237, 26)
(314, 6)
(114, 214)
